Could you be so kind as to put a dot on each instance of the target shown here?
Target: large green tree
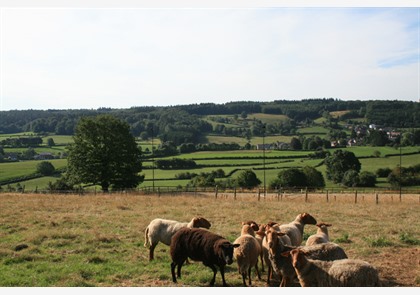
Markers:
(248, 179)
(104, 153)
(339, 163)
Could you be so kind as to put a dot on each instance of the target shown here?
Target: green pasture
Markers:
(58, 139)
(218, 139)
(229, 161)
(42, 149)
(24, 168)
(20, 134)
(313, 130)
(268, 118)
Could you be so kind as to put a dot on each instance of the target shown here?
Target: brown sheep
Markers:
(201, 245)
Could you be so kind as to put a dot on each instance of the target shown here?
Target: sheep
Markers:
(260, 236)
(247, 254)
(282, 265)
(337, 273)
(273, 240)
(162, 230)
(295, 228)
(321, 235)
(259, 233)
(201, 245)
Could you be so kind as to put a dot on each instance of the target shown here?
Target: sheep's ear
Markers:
(328, 224)
(288, 248)
(285, 254)
(280, 233)
(236, 245)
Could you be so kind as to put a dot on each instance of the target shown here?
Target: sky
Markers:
(93, 56)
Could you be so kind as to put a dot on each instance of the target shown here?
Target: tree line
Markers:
(185, 123)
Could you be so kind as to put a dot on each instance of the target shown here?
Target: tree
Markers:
(350, 178)
(367, 179)
(295, 144)
(104, 153)
(340, 162)
(314, 178)
(292, 177)
(45, 168)
(248, 179)
(50, 142)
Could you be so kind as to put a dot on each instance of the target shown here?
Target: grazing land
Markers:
(97, 240)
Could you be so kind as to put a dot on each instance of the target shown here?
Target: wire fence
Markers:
(347, 195)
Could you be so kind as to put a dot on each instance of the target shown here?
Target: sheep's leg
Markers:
(151, 251)
(173, 265)
(262, 262)
(214, 269)
(258, 272)
(249, 276)
(179, 270)
(243, 278)
(269, 272)
(222, 272)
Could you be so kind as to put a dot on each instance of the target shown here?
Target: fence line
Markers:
(378, 195)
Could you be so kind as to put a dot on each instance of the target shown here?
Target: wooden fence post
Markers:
(259, 194)
(377, 199)
(355, 197)
(306, 195)
(327, 196)
(278, 194)
(216, 191)
(234, 193)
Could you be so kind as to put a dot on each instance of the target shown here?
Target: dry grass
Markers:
(97, 240)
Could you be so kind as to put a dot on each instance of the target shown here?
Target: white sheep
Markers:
(162, 230)
(247, 253)
(295, 228)
(337, 273)
(321, 235)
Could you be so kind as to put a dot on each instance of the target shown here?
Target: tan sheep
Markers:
(321, 235)
(337, 273)
(274, 239)
(282, 265)
(247, 253)
(295, 228)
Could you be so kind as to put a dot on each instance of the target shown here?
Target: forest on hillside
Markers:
(189, 123)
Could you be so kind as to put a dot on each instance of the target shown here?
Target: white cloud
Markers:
(89, 58)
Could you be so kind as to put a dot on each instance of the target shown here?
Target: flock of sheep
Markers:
(318, 263)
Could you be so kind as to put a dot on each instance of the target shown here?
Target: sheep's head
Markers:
(323, 224)
(298, 258)
(273, 240)
(307, 218)
(247, 229)
(201, 222)
(253, 224)
(225, 251)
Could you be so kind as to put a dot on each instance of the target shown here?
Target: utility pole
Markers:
(400, 172)
(264, 157)
(153, 164)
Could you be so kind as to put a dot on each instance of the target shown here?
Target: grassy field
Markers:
(97, 240)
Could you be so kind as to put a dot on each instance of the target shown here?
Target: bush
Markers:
(45, 168)
(383, 172)
(367, 179)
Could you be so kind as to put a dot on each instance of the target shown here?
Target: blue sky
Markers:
(66, 58)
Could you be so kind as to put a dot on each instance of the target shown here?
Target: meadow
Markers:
(49, 240)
